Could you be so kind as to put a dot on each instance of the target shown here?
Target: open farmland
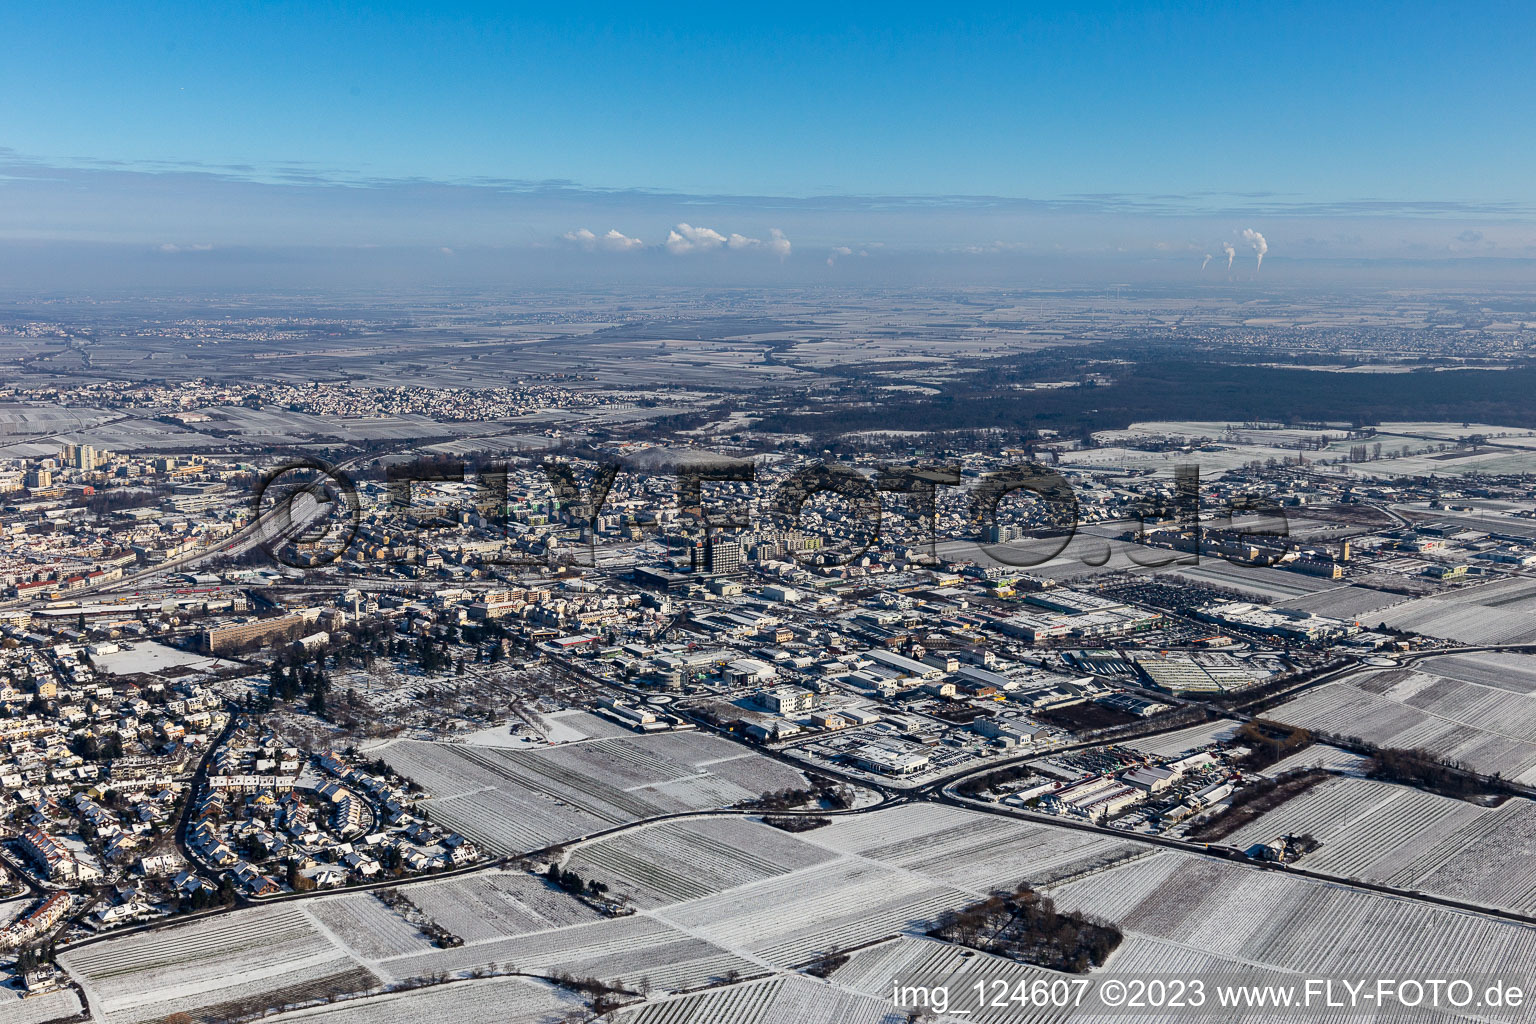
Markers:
(362, 923)
(1318, 755)
(625, 949)
(1352, 603)
(1412, 840)
(497, 905)
(1501, 612)
(969, 849)
(1237, 915)
(513, 920)
(503, 1000)
(918, 961)
(1489, 728)
(782, 1000)
(511, 801)
(256, 959)
(791, 919)
(674, 861)
(40, 1009)
(1513, 672)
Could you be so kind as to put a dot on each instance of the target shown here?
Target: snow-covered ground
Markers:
(149, 657)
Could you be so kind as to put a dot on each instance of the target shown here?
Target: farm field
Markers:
(1502, 612)
(513, 801)
(874, 972)
(1318, 755)
(497, 905)
(1413, 840)
(568, 725)
(781, 1000)
(1489, 728)
(504, 1000)
(52, 1006)
(793, 918)
(1243, 916)
(266, 957)
(914, 960)
(362, 923)
(626, 949)
(1350, 603)
(672, 861)
(1513, 672)
(968, 850)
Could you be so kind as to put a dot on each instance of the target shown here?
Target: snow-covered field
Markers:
(1239, 915)
(265, 957)
(680, 860)
(1413, 840)
(362, 923)
(498, 905)
(568, 726)
(968, 849)
(794, 918)
(512, 801)
(1501, 612)
(621, 950)
(52, 1006)
(1491, 728)
(782, 1000)
(146, 656)
(502, 1000)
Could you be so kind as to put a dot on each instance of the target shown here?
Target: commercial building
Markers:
(1093, 798)
(786, 700)
(889, 759)
(218, 639)
(196, 497)
(748, 672)
(1283, 622)
(904, 666)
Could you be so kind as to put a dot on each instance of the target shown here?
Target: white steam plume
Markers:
(1204, 262)
(1226, 247)
(1260, 246)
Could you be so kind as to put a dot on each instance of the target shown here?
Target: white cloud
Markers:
(617, 241)
(840, 251)
(685, 238)
(778, 244)
(172, 247)
(613, 241)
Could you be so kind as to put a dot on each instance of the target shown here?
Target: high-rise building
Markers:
(722, 557)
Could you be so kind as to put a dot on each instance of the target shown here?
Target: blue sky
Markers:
(1108, 127)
